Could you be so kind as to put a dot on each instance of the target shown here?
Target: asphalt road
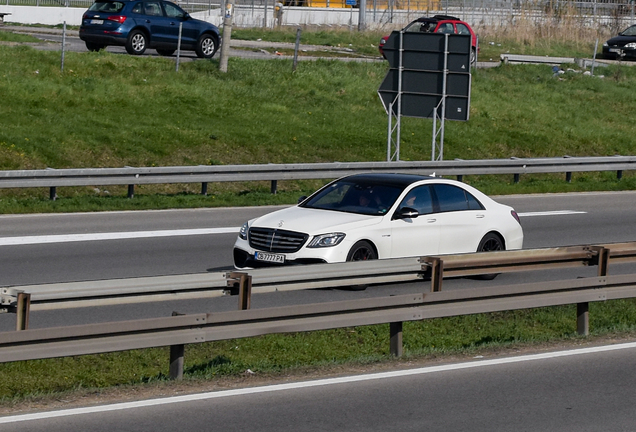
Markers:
(581, 390)
(590, 218)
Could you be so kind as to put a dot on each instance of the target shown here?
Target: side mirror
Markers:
(406, 213)
(302, 198)
(187, 16)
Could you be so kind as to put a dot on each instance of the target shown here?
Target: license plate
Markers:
(96, 21)
(269, 257)
(615, 50)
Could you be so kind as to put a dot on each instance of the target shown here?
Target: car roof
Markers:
(392, 179)
(438, 18)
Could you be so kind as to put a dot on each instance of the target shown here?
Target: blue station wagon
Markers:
(138, 25)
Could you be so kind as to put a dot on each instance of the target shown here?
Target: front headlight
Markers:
(605, 44)
(326, 240)
(630, 45)
(243, 231)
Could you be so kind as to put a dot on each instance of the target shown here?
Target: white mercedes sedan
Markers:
(377, 216)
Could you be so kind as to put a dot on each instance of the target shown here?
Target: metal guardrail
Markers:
(206, 285)
(131, 176)
(176, 331)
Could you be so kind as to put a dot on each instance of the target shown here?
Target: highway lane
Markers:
(597, 218)
(587, 389)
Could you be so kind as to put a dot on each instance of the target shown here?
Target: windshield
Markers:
(629, 31)
(352, 197)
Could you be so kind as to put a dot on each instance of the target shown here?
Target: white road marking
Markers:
(65, 238)
(551, 213)
(309, 384)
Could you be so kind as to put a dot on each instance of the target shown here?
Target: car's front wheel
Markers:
(136, 43)
(490, 243)
(362, 251)
(206, 46)
(473, 56)
(91, 46)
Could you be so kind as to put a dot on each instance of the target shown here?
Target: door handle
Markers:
(431, 220)
(480, 216)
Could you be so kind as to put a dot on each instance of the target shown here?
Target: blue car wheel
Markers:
(136, 43)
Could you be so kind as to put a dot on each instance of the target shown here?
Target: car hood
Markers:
(621, 40)
(314, 221)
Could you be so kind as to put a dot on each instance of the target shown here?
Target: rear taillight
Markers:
(117, 18)
(515, 215)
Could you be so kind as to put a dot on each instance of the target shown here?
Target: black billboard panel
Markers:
(425, 51)
(427, 82)
(423, 105)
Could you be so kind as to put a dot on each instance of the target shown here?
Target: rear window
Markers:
(452, 198)
(107, 6)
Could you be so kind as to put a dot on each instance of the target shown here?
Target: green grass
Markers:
(314, 352)
(110, 110)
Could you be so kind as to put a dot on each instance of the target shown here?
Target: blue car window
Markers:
(138, 8)
(450, 198)
(173, 11)
(152, 9)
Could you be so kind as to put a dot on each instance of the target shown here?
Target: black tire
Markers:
(362, 251)
(473, 56)
(137, 43)
(91, 46)
(165, 52)
(206, 46)
(490, 243)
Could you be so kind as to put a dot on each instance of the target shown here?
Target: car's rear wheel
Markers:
(490, 243)
(136, 43)
(206, 46)
(473, 56)
(165, 52)
(94, 46)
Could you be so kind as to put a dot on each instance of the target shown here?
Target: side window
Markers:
(152, 9)
(451, 198)
(462, 29)
(419, 199)
(138, 8)
(446, 28)
(173, 11)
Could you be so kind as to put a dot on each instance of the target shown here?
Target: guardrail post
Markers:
(517, 178)
(460, 178)
(131, 190)
(619, 174)
(437, 273)
(274, 187)
(583, 318)
(244, 282)
(52, 193)
(396, 338)
(568, 177)
(22, 311)
(204, 188)
(177, 352)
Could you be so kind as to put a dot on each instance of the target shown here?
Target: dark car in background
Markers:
(439, 24)
(138, 25)
(622, 46)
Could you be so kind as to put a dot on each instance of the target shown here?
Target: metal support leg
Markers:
(583, 318)
(274, 187)
(131, 191)
(22, 311)
(437, 274)
(176, 362)
(568, 177)
(177, 353)
(517, 178)
(204, 188)
(396, 338)
(244, 282)
(52, 193)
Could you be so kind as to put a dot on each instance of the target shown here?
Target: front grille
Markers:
(275, 240)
